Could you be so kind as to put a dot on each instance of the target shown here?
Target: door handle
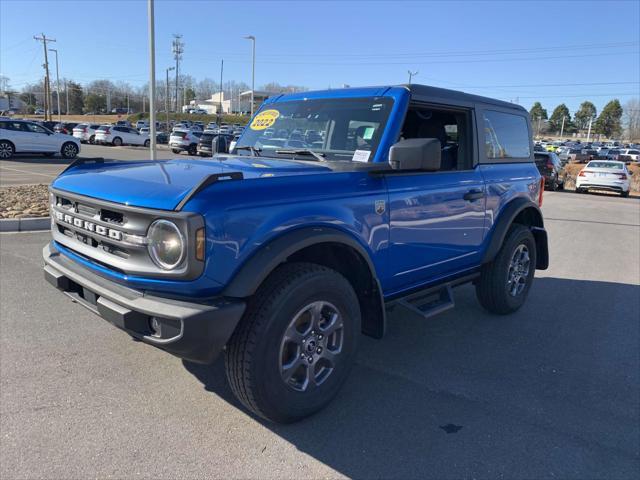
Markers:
(473, 194)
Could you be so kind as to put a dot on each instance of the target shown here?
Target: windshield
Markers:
(614, 165)
(338, 128)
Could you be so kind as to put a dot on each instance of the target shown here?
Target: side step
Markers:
(429, 303)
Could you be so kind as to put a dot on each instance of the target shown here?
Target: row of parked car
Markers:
(581, 153)
(600, 174)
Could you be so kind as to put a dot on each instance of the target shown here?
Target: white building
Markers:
(240, 103)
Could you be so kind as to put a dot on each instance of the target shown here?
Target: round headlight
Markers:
(166, 244)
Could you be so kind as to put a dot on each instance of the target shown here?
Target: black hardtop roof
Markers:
(427, 92)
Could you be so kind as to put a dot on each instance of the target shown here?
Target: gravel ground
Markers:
(24, 201)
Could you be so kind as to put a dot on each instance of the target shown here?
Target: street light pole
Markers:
(152, 79)
(57, 84)
(166, 96)
(562, 127)
(253, 69)
(411, 75)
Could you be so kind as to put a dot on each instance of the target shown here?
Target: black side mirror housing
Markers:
(416, 154)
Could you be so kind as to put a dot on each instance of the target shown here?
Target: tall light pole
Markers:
(57, 84)
(152, 79)
(166, 96)
(411, 75)
(562, 128)
(253, 69)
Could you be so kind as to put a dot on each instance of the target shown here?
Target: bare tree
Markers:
(631, 119)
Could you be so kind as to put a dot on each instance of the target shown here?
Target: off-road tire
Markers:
(253, 355)
(491, 289)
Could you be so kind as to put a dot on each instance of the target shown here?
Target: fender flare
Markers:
(506, 218)
(257, 268)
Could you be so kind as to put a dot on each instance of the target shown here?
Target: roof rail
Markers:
(208, 180)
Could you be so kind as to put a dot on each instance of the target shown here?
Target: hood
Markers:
(163, 184)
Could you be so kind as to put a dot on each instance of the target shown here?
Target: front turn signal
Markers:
(200, 244)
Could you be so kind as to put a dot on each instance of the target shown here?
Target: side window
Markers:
(506, 135)
(451, 127)
(3, 125)
(32, 127)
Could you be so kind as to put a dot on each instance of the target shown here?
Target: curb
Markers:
(25, 224)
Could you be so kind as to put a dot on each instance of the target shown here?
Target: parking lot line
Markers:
(28, 172)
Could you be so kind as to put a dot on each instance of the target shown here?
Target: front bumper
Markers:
(193, 331)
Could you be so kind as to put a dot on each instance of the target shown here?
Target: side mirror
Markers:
(416, 154)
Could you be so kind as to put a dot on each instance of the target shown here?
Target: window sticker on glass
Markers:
(368, 133)
(264, 119)
(361, 156)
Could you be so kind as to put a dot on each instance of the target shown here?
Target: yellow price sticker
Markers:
(264, 120)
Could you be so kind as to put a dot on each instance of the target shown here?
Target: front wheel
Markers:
(92, 139)
(193, 150)
(296, 343)
(175, 150)
(624, 194)
(69, 150)
(505, 282)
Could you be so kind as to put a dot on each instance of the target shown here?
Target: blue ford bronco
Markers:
(333, 207)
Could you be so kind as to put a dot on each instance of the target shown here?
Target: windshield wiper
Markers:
(304, 151)
(255, 152)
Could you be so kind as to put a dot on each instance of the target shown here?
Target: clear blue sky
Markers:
(510, 49)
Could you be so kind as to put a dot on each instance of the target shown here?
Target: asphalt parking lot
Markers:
(551, 391)
(28, 169)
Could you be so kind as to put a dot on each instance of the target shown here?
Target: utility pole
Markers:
(589, 131)
(47, 87)
(221, 89)
(177, 49)
(166, 96)
(562, 128)
(539, 119)
(57, 85)
(253, 69)
(152, 79)
(412, 74)
(128, 112)
(66, 93)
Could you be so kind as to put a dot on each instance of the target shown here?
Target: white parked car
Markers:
(115, 135)
(85, 132)
(604, 175)
(630, 155)
(182, 140)
(20, 136)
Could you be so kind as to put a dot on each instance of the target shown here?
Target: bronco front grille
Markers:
(114, 235)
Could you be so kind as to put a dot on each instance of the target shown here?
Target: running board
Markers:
(429, 303)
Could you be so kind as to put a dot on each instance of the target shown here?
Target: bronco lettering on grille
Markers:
(89, 226)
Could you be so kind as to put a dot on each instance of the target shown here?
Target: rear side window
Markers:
(103, 128)
(506, 135)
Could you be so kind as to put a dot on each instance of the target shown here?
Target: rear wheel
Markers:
(116, 142)
(147, 143)
(505, 282)
(69, 150)
(6, 149)
(296, 343)
(624, 194)
(174, 150)
(92, 139)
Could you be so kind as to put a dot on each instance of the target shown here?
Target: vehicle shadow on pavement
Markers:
(552, 388)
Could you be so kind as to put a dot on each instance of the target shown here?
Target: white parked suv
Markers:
(85, 132)
(20, 136)
(115, 135)
(629, 155)
(184, 140)
(604, 175)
